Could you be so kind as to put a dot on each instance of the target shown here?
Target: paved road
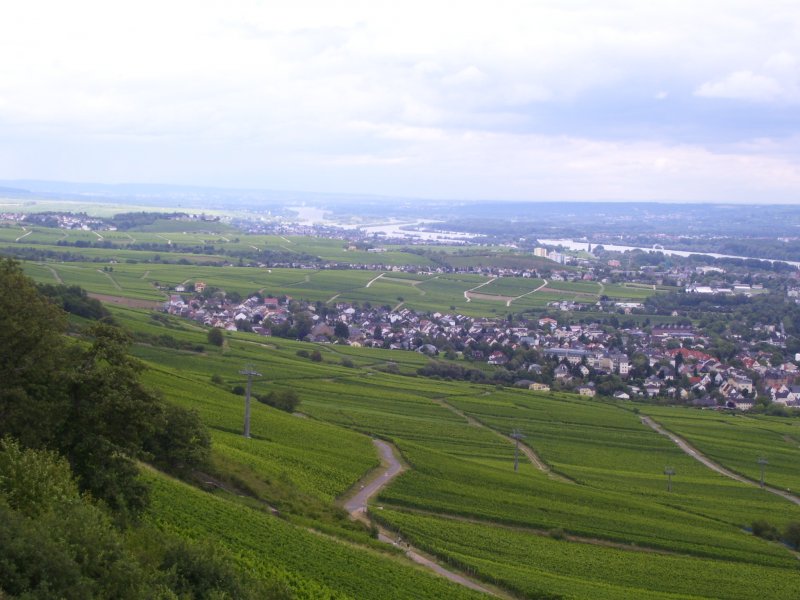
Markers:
(697, 455)
(371, 485)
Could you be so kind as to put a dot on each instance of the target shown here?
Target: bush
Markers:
(286, 400)
(216, 379)
(303, 353)
(346, 362)
(238, 390)
(215, 337)
(764, 529)
(316, 356)
(791, 535)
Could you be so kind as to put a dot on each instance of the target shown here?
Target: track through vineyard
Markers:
(697, 455)
(373, 483)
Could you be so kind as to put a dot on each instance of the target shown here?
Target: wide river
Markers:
(310, 215)
(573, 245)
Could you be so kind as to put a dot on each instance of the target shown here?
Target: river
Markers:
(574, 245)
(392, 229)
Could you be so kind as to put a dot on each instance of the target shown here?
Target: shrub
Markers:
(791, 534)
(764, 529)
(215, 337)
(286, 399)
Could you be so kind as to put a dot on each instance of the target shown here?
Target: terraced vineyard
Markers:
(591, 519)
(737, 441)
(602, 525)
(136, 257)
(421, 292)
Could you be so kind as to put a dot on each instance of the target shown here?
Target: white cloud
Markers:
(778, 80)
(742, 85)
(449, 95)
(470, 75)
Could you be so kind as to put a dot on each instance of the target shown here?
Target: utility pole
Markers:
(669, 472)
(763, 462)
(248, 370)
(517, 435)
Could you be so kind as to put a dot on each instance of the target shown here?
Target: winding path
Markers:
(114, 281)
(544, 285)
(466, 293)
(55, 273)
(535, 459)
(390, 468)
(714, 466)
(371, 281)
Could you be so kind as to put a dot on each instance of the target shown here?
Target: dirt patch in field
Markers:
(129, 302)
(493, 297)
(572, 292)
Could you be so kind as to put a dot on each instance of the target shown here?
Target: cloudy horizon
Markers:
(510, 101)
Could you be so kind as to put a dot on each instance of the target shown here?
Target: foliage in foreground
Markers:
(86, 401)
(58, 544)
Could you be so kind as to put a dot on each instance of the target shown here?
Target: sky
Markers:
(687, 101)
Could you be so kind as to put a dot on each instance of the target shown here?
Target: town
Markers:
(612, 356)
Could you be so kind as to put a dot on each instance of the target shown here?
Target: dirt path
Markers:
(306, 279)
(129, 302)
(535, 459)
(99, 237)
(466, 293)
(542, 532)
(390, 468)
(573, 292)
(24, 235)
(332, 298)
(146, 273)
(56, 276)
(544, 285)
(114, 281)
(714, 466)
(374, 482)
(491, 297)
(413, 284)
(371, 281)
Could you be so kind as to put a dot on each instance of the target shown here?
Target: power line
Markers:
(517, 435)
(248, 370)
(763, 462)
(669, 472)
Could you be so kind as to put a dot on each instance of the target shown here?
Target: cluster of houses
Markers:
(579, 354)
(72, 221)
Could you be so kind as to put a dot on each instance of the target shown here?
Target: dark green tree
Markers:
(341, 330)
(215, 336)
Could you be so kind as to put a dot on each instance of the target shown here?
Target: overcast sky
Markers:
(565, 100)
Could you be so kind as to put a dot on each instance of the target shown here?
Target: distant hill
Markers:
(13, 191)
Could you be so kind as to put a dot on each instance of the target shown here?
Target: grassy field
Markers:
(443, 293)
(737, 441)
(603, 526)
